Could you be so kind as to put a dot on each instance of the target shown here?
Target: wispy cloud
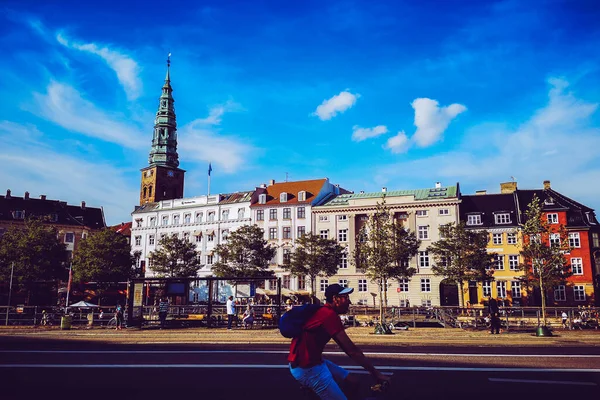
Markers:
(359, 134)
(126, 68)
(432, 120)
(398, 143)
(63, 105)
(337, 104)
(216, 113)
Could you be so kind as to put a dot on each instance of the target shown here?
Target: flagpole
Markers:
(209, 171)
(12, 268)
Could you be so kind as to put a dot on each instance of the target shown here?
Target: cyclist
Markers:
(306, 351)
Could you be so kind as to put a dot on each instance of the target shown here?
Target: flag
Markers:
(209, 168)
(70, 279)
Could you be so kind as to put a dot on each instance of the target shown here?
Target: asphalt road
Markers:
(40, 368)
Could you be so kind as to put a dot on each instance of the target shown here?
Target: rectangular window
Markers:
(152, 221)
(260, 215)
(273, 214)
(513, 262)
(444, 211)
(574, 240)
(224, 215)
(554, 240)
(209, 259)
(272, 233)
(302, 196)
(301, 231)
(262, 198)
(344, 260)
(425, 285)
(287, 213)
(187, 218)
(175, 219)
(323, 284)
(283, 197)
(499, 265)
(323, 218)
(324, 234)
(577, 266)
(343, 235)
(210, 238)
(511, 238)
(165, 220)
(579, 293)
(241, 213)
(552, 218)
(138, 223)
(287, 232)
(301, 283)
(421, 213)
(301, 212)
(487, 288)
(362, 285)
(496, 238)
(515, 289)
(151, 240)
(501, 289)
(502, 218)
(70, 237)
(199, 217)
(424, 259)
(285, 282)
(186, 236)
(404, 303)
(474, 219)
(343, 217)
(138, 240)
(425, 302)
(560, 293)
(403, 285)
(343, 282)
(198, 238)
(423, 232)
(595, 240)
(211, 216)
(287, 253)
(224, 234)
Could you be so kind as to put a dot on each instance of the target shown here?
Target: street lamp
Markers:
(12, 268)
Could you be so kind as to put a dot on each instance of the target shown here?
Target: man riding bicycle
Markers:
(306, 351)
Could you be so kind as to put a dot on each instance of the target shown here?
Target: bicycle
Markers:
(375, 391)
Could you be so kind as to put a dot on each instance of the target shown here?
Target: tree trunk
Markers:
(381, 302)
(461, 295)
(543, 294)
(385, 293)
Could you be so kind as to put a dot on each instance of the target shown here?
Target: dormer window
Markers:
(502, 218)
(262, 199)
(474, 219)
(53, 217)
(283, 197)
(302, 196)
(549, 200)
(18, 214)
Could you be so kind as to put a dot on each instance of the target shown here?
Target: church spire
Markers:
(164, 141)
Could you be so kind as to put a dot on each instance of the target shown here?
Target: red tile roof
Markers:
(124, 228)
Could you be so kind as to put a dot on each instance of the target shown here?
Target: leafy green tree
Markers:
(175, 258)
(246, 254)
(545, 264)
(103, 257)
(36, 251)
(383, 249)
(314, 256)
(461, 255)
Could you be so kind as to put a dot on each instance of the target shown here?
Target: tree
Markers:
(461, 255)
(103, 257)
(36, 251)
(175, 258)
(314, 257)
(383, 250)
(245, 255)
(545, 265)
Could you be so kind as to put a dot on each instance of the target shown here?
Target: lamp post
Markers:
(12, 268)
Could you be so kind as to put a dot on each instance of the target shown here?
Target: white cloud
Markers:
(125, 67)
(35, 167)
(432, 120)
(398, 144)
(359, 134)
(63, 105)
(337, 104)
(216, 112)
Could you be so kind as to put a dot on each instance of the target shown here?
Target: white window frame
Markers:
(486, 288)
(497, 238)
(560, 293)
(423, 232)
(176, 219)
(363, 285)
(513, 262)
(187, 218)
(272, 233)
(260, 215)
(444, 211)
(138, 240)
(151, 240)
(579, 292)
(283, 197)
(342, 217)
(323, 284)
(287, 232)
(272, 214)
(165, 220)
(403, 285)
(199, 217)
(502, 218)
(287, 213)
(499, 262)
(552, 218)
(344, 260)
(424, 261)
(152, 221)
(474, 219)
(574, 240)
(554, 239)
(210, 259)
(324, 233)
(343, 235)
(262, 198)
(511, 238)
(425, 285)
(421, 213)
(577, 265)
(515, 289)
(302, 195)
(501, 289)
(301, 231)
(211, 216)
(343, 283)
(301, 212)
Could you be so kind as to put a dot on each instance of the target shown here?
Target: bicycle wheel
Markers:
(112, 323)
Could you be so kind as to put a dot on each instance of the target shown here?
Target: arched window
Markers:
(149, 191)
(145, 191)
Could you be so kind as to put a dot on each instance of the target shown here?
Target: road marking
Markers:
(332, 353)
(284, 366)
(545, 382)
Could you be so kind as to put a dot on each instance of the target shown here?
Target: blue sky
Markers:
(396, 94)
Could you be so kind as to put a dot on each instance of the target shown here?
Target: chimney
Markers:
(508, 187)
(26, 195)
(263, 185)
(546, 185)
(83, 205)
(480, 192)
(362, 192)
(438, 185)
(8, 193)
(383, 189)
(271, 182)
(42, 197)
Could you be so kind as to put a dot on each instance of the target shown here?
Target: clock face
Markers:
(148, 173)
(170, 173)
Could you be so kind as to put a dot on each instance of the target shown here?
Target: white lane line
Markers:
(283, 366)
(543, 382)
(333, 353)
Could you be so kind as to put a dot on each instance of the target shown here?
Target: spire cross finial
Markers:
(169, 60)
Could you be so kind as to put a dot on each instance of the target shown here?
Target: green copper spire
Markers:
(164, 142)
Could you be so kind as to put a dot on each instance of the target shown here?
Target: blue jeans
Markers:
(322, 379)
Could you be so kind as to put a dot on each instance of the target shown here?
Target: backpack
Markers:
(291, 323)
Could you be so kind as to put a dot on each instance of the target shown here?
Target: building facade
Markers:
(421, 211)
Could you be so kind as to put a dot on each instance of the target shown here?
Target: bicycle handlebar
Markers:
(380, 387)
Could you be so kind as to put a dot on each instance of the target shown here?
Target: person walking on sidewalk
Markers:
(163, 310)
(230, 312)
(494, 311)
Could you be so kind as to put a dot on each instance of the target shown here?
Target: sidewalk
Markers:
(360, 335)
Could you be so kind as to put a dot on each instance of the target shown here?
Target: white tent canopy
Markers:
(83, 304)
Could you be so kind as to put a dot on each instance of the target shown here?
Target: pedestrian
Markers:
(565, 318)
(494, 312)
(119, 317)
(248, 319)
(230, 312)
(163, 310)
